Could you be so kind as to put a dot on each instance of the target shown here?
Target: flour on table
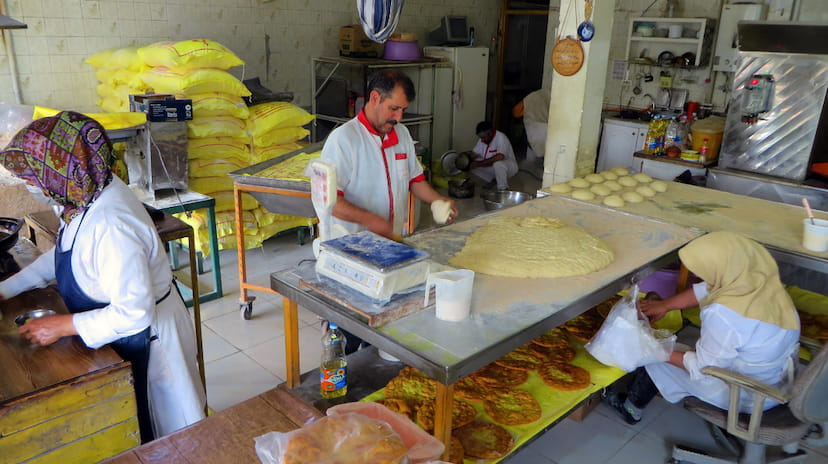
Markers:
(534, 247)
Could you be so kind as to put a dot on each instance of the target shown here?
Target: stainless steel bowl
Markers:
(34, 314)
(504, 199)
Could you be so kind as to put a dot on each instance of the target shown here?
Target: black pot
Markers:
(9, 228)
(461, 189)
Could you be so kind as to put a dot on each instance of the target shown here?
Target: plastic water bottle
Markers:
(333, 370)
(703, 152)
(673, 137)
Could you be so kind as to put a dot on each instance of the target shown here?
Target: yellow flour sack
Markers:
(226, 148)
(218, 104)
(193, 81)
(110, 121)
(215, 167)
(272, 151)
(100, 59)
(217, 126)
(280, 136)
(286, 223)
(225, 202)
(125, 58)
(277, 115)
(196, 53)
(210, 185)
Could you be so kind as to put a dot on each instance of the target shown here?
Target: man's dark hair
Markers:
(483, 126)
(384, 81)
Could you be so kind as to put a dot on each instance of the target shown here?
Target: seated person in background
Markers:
(749, 325)
(495, 159)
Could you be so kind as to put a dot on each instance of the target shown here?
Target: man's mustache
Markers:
(393, 122)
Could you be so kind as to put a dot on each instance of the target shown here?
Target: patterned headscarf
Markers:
(741, 275)
(68, 156)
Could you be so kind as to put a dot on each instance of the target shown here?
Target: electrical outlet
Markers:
(666, 81)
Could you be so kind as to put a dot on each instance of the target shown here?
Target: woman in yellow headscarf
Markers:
(749, 325)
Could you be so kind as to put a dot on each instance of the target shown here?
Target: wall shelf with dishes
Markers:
(670, 42)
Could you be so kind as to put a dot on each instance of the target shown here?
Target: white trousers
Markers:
(501, 171)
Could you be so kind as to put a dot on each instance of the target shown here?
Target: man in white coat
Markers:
(494, 158)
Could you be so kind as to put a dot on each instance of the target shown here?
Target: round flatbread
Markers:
(583, 327)
(642, 178)
(485, 440)
(613, 185)
(456, 452)
(620, 171)
(559, 353)
(495, 376)
(565, 377)
(614, 201)
(560, 188)
(554, 337)
(522, 358)
(415, 389)
(632, 197)
(600, 189)
(512, 407)
(462, 413)
(579, 183)
(398, 405)
(609, 175)
(594, 178)
(627, 181)
(583, 194)
(659, 186)
(645, 191)
(467, 389)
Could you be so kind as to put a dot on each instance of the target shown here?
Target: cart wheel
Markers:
(246, 310)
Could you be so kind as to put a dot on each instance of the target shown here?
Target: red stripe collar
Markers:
(389, 141)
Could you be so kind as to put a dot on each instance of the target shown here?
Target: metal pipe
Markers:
(7, 43)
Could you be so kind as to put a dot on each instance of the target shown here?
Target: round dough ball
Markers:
(613, 185)
(441, 210)
(645, 191)
(627, 181)
(579, 182)
(643, 178)
(614, 200)
(659, 186)
(620, 171)
(632, 197)
(594, 178)
(609, 175)
(560, 188)
(583, 194)
(600, 190)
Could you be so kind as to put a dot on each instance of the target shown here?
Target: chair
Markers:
(784, 425)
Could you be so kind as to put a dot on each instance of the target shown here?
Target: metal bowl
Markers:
(503, 199)
(461, 189)
(33, 314)
(9, 227)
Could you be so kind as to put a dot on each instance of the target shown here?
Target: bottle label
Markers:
(332, 380)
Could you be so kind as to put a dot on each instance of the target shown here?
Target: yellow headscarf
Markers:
(741, 275)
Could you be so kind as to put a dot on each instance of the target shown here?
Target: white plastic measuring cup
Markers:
(453, 292)
(815, 236)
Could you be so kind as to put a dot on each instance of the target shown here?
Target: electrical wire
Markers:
(189, 214)
(648, 8)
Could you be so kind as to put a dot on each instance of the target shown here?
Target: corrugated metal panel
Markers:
(780, 143)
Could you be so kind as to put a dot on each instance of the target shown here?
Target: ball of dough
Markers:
(609, 175)
(583, 194)
(560, 188)
(659, 186)
(620, 171)
(594, 178)
(579, 183)
(441, 210)
(613, 185)
(645, 191)
(614, 200)
(632, 197)
(643, 178)
(627, 181)
(600, 190)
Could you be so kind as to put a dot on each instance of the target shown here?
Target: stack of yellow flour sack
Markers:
(224, 135)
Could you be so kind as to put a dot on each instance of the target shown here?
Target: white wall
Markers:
(63, 33)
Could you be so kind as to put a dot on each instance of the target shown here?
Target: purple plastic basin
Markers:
(401, 51)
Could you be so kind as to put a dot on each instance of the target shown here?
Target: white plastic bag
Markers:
(627, 341)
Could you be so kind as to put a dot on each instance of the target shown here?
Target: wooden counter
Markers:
(63, 402)
(227, 436)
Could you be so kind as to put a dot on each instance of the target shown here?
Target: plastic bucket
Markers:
(714, 142)
(453, 290)
(815, 236)
(663, 282)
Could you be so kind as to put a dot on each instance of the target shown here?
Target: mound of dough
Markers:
(613, 185)
(600, 190)
(645, 191)
(609, 175)
(632, 197)
(614, 200)
(620, 171)
(627, 181)
(441, 210)
(641, 177)
(594, 178)
(659, 186)
(583, 194)
(579, 183)
(560, 188)
(533, 247)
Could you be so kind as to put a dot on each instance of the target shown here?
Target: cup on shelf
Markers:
(675, 31)
(815, 234)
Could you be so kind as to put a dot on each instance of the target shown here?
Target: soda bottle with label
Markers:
(333, 370)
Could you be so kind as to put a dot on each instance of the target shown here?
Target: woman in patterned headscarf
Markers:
(749, 325)
(111, 269)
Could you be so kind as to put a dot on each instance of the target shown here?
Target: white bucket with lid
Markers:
(453, 292)
(815, 235)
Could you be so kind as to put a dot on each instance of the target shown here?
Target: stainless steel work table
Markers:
(506, 312)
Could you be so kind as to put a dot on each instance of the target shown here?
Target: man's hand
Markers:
(487, 162)
(653, 309)
(47, 330)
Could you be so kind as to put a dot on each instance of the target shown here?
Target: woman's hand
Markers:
(47, 330)
(653, 309)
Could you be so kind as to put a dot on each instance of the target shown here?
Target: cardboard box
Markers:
(587, 406)
(355, 44)
(162, 107)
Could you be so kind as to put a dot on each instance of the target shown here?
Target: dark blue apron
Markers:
(133, 348)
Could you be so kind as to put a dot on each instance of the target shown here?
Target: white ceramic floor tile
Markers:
(642, 448)
(676, 425)
(271, 354)
(214, 346)
(594, 440)
(529, 456)
(266, 323)
(653, 410)
(235, 378)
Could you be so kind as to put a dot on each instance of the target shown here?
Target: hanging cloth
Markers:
(379, 17)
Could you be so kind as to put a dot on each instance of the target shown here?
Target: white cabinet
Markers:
(619, 140)
(648, 38)
(666, 169)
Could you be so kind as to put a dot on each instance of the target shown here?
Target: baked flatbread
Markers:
(563, 376)
(522, 359)
(485, 440)
(512, 407)
(462, 413)
(494, 376)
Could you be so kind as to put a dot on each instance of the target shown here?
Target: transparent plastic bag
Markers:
(627, 341)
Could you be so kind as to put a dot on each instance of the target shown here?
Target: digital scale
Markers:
(372, 265)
